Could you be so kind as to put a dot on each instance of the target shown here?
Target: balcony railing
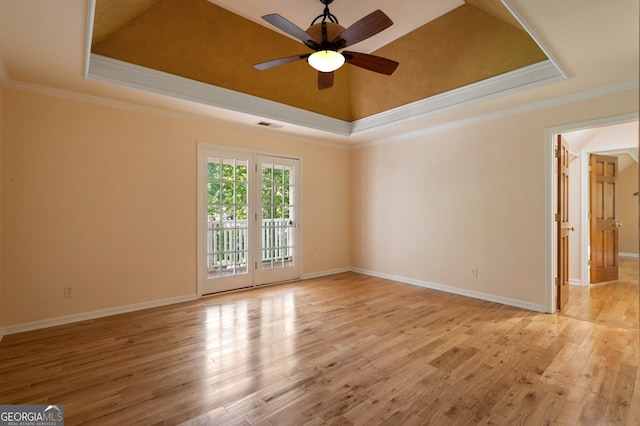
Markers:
(228, 245)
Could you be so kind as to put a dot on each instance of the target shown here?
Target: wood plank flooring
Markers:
(340, 350)
(613, 303)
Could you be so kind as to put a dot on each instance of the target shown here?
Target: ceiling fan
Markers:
(327, 38)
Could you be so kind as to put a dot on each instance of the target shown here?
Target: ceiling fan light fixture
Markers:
(326, 60)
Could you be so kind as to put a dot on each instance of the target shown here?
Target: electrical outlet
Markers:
(68, 291)
(474, 272)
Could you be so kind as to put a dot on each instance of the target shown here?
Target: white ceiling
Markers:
(43, 47)
(620, 140)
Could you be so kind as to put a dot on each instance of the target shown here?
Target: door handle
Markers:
(617, 224)
(292, 224)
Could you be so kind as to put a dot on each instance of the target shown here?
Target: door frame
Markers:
(551, 194)
(201, 201)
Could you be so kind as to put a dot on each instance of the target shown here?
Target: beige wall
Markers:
(104, 199)
(628, 205)
(1, 198)
(430, 208)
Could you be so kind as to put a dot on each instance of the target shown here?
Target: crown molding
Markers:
(109, 70)
(576, 97)
(162, 112)
(125, 74)
(548, 103)
(122, 73)
(91, 13)
(516, 14)
(525, 78)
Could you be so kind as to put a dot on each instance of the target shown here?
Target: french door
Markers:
(278, 225)
(248, 219)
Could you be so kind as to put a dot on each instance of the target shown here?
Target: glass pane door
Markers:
(278, 226)
(248, 219)
(228, 232)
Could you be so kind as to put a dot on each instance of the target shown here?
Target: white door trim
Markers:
(201, 201)
(551, 267)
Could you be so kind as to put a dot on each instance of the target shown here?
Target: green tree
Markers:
(276, 192)
(228, 189)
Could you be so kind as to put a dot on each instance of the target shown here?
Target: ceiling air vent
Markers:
(267, 124)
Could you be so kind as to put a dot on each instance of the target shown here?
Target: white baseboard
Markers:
(631, 255)
(574, 281)
(68, 319)
(324, 273)
(36, 325)
(454, 290)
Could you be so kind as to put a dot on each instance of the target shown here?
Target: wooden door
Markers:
(562, 219)
(603, 215)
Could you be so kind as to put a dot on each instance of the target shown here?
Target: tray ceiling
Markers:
(441, 48)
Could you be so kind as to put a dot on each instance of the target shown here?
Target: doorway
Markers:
(248, 219)
(617, 136)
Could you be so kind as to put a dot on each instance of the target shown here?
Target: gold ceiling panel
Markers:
(462, 47)
(497, 9)
(111, 15)
(202, 41)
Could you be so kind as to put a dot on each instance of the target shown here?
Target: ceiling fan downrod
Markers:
(326, 14)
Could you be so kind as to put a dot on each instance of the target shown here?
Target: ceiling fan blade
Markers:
(371, 62)
(366, 27)
(325, 80)
(292, 29)
(276, 62)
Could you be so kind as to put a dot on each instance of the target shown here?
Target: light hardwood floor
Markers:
(613, 303)
(346, 349)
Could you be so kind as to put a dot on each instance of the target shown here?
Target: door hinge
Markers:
(590, 215)
(255, 266)
(557, 281)
(556, 217)
(557, 153)
(589, 167)
(589, 263)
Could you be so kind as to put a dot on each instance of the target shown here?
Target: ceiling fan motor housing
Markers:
(333, 31)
